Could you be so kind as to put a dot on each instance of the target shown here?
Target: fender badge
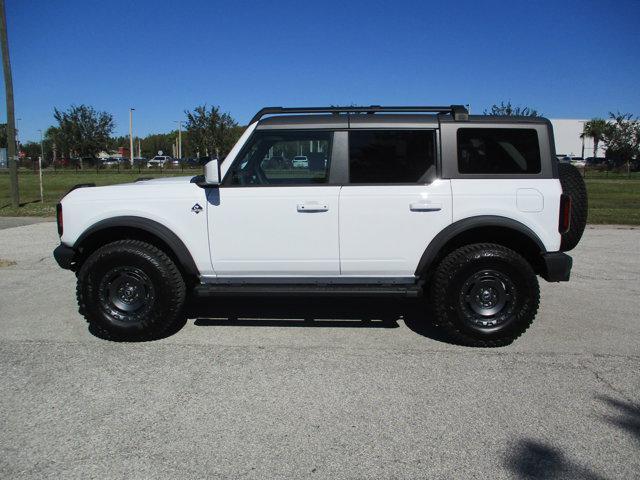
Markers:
(196, 208)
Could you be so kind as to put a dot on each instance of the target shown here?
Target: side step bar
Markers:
(288, 290)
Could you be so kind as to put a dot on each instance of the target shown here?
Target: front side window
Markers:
(498, 150)
(283, 158)
(391, 156)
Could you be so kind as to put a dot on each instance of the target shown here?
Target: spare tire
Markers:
(574, 186)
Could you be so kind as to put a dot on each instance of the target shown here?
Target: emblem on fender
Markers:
(196, 208)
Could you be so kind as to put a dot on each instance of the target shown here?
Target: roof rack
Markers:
(458, 112)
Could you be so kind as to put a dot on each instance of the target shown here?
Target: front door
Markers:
(275, 214)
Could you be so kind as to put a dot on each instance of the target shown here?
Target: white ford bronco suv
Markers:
(430, 202)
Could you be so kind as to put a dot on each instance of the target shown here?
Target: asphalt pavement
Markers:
(319, 388)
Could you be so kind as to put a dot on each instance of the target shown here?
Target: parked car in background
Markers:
(578, 162)
(139, 161)
(596, 163)
(158, 161)
(300, 161)
(111, 162)
(190, 162)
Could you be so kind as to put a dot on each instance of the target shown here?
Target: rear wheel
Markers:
(130, 290)
(484, 295)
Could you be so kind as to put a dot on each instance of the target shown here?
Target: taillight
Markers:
(59, 218)
(565, 213)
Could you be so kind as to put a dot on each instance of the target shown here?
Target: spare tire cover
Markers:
(574, 186)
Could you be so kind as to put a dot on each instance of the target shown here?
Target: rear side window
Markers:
(390, 156)
(498, 150)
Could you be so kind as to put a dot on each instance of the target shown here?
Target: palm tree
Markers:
(595, 128)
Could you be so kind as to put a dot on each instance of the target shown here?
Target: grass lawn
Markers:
(613, 199)
(57, 184)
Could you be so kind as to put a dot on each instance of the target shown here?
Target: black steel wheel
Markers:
(126, 293)
(484, 295)
(487, 300)
(130, 290)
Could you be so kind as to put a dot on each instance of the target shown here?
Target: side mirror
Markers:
(212, 173)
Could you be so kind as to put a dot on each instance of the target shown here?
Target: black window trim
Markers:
(449, 151)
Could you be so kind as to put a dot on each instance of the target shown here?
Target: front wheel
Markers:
(484, 295)
(130, 290)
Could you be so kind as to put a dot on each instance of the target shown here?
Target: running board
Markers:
(288, 290)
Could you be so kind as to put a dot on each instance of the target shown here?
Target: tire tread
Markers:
(439, 287)
(171, 275)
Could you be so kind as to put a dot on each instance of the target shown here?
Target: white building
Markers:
(567, 133)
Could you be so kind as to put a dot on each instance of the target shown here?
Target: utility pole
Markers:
(179, 122)
(11, 119)
(40, 166)
(131, 135)
(139, 149)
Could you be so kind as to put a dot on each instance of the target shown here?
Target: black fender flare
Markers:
(461, 226)
(152, 227)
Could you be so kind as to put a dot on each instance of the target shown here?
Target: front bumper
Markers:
(65, 256)
(557, 267)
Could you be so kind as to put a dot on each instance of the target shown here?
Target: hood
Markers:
(164, 181)
(157, 187)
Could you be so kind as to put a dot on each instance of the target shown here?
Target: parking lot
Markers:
(319, 388)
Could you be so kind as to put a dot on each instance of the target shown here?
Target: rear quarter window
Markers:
(498, 151)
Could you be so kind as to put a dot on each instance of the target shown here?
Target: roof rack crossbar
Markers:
(459, 112)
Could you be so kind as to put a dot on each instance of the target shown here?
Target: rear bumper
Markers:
(65, 256)
(557, 267)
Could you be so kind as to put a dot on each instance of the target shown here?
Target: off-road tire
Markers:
(574, 186)
(161, 283)
(451, 300)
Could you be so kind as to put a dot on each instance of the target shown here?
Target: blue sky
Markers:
(568, 59)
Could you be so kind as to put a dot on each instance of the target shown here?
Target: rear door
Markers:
(393, 204)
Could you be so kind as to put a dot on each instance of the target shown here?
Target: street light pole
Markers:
(18, 120)
(131, 135)
(40, 166)
(179, 122)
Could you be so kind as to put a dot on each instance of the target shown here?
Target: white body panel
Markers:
(274, 231)
(167, 201)
(385, 229)
(512, 198)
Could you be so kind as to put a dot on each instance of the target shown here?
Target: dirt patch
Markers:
(6, 263)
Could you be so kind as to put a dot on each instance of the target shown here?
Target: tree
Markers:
(82, 130)
(53, 136)
(596, 129)
(3, 135)
(11, 118)
(506, 109)
(31, 150)
(622, 138)
(210, 131)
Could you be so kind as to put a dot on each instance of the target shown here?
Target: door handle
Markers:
(425, 206)
(313, 207)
